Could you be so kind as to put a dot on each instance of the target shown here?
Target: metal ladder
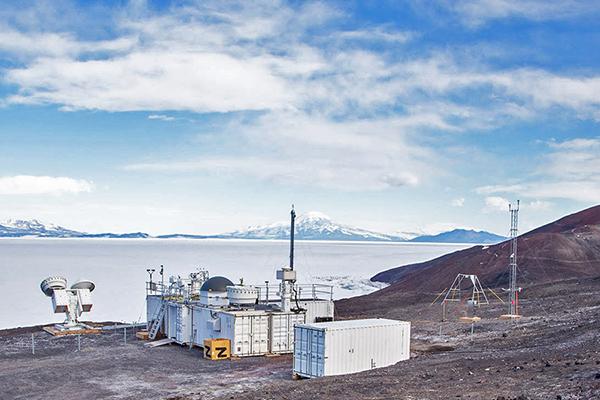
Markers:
(178, 328)
(157, 321)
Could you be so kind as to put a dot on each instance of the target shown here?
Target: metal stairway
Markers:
(157, 321)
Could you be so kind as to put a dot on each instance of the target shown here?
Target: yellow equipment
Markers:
(217, 349)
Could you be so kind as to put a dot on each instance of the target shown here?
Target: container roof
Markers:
(216, 284)
(353, 323)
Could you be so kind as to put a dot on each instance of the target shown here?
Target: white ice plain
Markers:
(118, 267)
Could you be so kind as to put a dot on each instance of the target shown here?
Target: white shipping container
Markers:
(282, 331)
(317, 309)
(248, 332)
(345, 347)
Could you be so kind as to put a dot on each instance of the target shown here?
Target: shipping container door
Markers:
(242, 335)
(278, 324)
(301, 351)
(172, 322)
(316, 348)
(321, 354)
(294, 320)
(282, 331)
(259, 330)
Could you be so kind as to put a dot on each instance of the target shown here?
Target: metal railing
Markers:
(267, 293)
(310, 291)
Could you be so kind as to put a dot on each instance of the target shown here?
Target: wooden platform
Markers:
(55, 332)
(469, 319)
(142, 335)
(160, 342)
(510, 316)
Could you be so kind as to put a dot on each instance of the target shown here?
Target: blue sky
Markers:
(202, 117)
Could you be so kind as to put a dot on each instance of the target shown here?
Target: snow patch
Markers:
(349, 285)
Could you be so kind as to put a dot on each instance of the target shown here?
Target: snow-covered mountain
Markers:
(461, 236)
(35, 228)
(310, 226)
(19, 228)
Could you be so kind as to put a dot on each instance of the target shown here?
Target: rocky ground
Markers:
(552, 353)
(108, 368)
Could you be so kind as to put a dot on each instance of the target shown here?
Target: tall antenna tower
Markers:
(513, 290)
(292, 229)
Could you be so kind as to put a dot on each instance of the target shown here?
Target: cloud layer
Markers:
(40, 185)
(309, 100)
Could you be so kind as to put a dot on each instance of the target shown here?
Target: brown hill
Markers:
(566, 248)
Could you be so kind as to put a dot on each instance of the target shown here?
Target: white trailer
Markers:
(345, 347)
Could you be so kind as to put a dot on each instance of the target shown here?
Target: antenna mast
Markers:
(292, 220)
(514, 232)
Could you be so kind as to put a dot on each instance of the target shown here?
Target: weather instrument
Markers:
(72, 302)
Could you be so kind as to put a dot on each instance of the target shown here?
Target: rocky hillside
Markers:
(566, 248)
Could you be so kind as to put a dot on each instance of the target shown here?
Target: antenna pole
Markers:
(514, 233)
(292, 220)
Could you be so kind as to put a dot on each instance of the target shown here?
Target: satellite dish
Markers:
(84, 284)
(52, 283)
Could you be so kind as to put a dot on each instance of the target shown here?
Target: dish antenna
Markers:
(72, 302)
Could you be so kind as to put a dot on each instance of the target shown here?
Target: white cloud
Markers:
(216, 57)
(538, 205)
(325, 100)
(295, 148)
(458, 202)
(376, 34)
(571, 170)
(161, 117)
(28, 184)
(152, 80)
(496, 203)
(492, 189)
(51, 44)
(478, 12)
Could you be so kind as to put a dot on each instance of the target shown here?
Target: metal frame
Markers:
(454, 293)
(513, 295)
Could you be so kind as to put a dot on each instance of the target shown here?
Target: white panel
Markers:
(60, 301)
(171, 322)
(317, 308)
(152, 306)
(85, 299)
(183, 327)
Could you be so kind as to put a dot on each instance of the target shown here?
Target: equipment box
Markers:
(217, 349)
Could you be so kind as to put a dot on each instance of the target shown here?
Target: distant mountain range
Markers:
(461, 236)
(309, 226)
(34, 228)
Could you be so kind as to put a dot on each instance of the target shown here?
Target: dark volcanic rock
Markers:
(567, 248)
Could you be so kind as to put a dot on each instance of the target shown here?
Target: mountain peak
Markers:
(313, 216)
(462, 235)
(313, 225)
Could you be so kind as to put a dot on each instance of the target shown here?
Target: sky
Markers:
(209, 116)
